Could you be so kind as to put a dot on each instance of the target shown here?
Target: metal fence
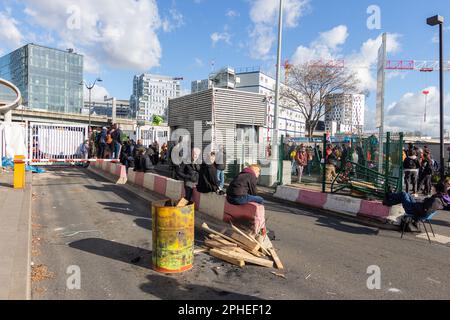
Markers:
(55, 141)
(350, 165)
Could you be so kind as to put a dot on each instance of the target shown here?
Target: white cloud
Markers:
(328, 46)
(232, 13)
(98, 93)
(122, 36)
(175, 21)
(264, 15)
(10, 35)
(407, 114)
(221, 36)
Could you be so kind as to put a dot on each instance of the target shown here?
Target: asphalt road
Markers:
(83, 220)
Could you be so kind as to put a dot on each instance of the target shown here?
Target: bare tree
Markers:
(309, 85)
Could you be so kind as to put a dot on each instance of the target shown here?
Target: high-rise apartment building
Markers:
(345, 113)
(151, 95)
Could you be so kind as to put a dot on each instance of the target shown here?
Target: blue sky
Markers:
(182, 37)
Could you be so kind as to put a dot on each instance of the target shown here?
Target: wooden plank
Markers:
(216, 244)
(182, 203)
(219, 254)
(223, 241)
(277, 260)
(200, 250)
(249, 258)
(206, 228)
(250, 238)
(252, 246)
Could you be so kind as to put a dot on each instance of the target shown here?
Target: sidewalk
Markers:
(15, 239)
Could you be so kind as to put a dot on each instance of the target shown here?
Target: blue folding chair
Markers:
(424, 220)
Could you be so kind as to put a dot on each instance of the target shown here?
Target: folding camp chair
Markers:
(424, 220)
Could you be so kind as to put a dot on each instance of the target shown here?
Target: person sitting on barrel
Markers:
(242, 189)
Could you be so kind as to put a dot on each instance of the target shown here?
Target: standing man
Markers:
(221, 166)
(116, 135)
(411, 168)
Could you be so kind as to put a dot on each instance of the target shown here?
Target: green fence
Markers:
(351, 164)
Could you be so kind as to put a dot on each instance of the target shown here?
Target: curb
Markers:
(367, 221)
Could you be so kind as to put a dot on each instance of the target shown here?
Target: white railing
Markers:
(57, 142)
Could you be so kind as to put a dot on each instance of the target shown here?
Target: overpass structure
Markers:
(6, 107)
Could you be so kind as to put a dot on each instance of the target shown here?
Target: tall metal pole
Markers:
(441, 84)
(90, 105)
(278, 85)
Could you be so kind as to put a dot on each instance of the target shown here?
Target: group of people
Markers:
(302, 158)
(106, 143)
(418, 166)
(208, 176)
(141, 158)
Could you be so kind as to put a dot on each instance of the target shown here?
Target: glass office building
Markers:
(49, 79)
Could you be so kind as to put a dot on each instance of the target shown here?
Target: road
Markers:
(81, 219)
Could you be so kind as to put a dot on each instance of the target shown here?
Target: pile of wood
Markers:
(239, 248)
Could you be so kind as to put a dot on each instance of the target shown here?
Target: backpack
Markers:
(410, 163)
(109, 139)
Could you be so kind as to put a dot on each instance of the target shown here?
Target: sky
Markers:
(191, 38)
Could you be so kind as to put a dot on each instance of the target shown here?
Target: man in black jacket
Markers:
(208, 182)
(411, 168)
(188, 171)
(242, 189)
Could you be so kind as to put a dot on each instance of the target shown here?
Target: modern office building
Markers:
(49, 79)
(102, 108)
(291, 120)
(345, 113)
(151, 95)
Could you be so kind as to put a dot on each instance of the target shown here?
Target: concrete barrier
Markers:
(341, 204)
(214, 205)
(115, 169)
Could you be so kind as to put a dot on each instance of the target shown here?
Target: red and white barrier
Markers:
(340, 204)
(111, 167)
(164, 186)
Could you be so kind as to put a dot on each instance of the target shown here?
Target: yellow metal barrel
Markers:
(173, 238)
(19, 172)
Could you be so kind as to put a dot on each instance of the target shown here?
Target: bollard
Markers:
(19, 172)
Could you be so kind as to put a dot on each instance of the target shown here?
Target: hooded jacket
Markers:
(411, 163)
(244, 184)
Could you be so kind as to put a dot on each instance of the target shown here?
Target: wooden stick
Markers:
(250, 238)
(219, 254)
(277, 260)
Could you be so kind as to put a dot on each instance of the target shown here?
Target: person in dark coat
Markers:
(208, 182)
(411, 168)
(188, 171)
(242, 189)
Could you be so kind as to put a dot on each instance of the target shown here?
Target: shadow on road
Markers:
(327, 221)
(116, 251)
(168, 288)
(144, 223)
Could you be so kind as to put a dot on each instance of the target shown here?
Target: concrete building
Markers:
(345, 113)
(102, 108)
(225, 78)
(151, 95)
(216, 117)
(291, 120)
(49, 79)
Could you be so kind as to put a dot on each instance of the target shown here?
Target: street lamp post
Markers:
(433, 21)
(90, 86)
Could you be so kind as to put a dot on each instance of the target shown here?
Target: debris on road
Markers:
(279, 275)
(238, 248)
(40, 273)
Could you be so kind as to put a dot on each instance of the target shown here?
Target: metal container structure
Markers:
(173, 237)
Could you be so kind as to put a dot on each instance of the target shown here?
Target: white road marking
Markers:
(439, 238)
(394, 290)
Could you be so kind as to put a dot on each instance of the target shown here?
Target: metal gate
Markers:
(51, 142)
(148, 135)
